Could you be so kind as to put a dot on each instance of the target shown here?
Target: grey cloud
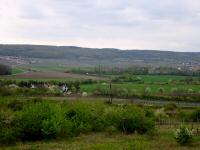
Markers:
(149, 24)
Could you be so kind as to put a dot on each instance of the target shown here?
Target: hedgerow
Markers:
(38, 120)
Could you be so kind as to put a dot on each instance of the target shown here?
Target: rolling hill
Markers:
(93, 56)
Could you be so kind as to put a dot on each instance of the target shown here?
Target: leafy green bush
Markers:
(184, 115)
(190, 91)
(15, 105)
(183, 135)
(195, 115)
(133, 92)
(132, 119)
(73, 89)
(147, 90)
(86, 117)
(161, 90)
(160, 114)
(5, 70)
(41, 120)
(174, 90)
(7, 133)
(6, 91)
(112, 115)
(38, 119)
(170, 107)
(149, 112)
(54, 90)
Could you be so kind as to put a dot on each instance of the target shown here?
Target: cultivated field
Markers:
(51, 75)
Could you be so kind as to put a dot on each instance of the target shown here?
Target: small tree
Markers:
(195, 115)
(73, 89)
(183, 135)
(147, 90)
(160, 114)
(161, 90)
(190, 91)
(174, 90)
(5, 70)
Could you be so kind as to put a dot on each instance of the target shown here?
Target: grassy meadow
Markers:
(105, 141)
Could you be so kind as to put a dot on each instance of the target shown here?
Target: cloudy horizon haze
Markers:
(123, 24)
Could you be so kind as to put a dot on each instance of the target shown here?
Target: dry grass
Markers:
(116, 141)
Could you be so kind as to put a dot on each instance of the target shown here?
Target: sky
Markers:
(124, 24)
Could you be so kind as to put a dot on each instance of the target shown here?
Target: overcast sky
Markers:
(125, 24)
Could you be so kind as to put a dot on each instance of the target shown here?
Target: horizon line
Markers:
(112, 48)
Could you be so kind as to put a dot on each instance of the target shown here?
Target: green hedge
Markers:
(38, 120)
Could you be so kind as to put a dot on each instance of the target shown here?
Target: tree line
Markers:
(5, 70)
(138, 70)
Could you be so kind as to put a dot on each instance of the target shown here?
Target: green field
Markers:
(156, 87)
(167, 82)
(162, 78)
(17, 70)
(139, 88)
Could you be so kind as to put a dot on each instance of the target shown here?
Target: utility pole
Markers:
(110, 92)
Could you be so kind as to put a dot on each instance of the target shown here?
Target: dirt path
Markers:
(135, 101)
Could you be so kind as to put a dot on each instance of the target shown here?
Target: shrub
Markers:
(51, 127)
(133, 91)
(134, 119)
(190, 91)
(40, 120)
(149, 112)
(184, 115)
(147, 90)
(15, 105)
(170, 107)
(112, 115)
(161, 90)
(6, 91)
(5, 70)
(84, 94)
(174, 90)
(183, 135)
(124, 92)
(195, 115)
(54, 90)
(86, 117)
(160, 114)
(73, 89)
(7, 133)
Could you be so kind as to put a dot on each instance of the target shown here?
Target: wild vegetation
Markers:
(37, 119)
(5, 70)
(31, 120)
(70, 98)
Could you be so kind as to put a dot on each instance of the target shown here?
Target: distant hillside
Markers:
(100, 56)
